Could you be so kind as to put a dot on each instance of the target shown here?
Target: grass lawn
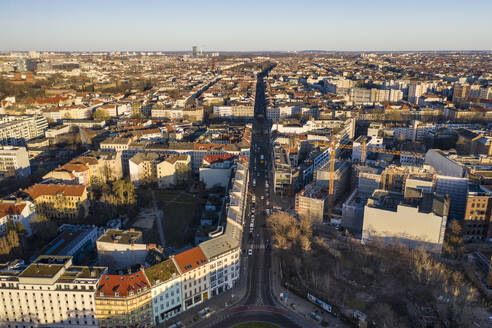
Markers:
(256, 325)
(180, 209)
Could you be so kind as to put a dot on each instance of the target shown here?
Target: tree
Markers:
(100, 115)
(43, 227)
(124, 191)
(453, 244)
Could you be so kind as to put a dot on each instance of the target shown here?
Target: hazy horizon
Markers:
(234, 26)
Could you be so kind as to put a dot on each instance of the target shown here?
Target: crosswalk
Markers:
(257, 246)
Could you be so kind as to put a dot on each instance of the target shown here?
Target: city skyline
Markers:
(235, 27)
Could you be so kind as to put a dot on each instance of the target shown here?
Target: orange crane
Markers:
(333, 145)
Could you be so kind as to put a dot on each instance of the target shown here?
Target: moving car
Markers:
(250, 252)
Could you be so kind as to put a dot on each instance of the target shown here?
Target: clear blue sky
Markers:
(245, 25)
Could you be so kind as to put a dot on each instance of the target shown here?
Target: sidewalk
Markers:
(300, 306)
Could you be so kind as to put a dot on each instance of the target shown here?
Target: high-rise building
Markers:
(16, 130)
(14, 161)
(415, 91)
(194, 51)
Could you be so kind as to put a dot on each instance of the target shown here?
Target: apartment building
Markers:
(165, 282)
(312, 202)
(172, 170)
(17, 130)
(142, 167)
(190, 114)
(70, 173)
(115, 144)
(50, 292)
(124, 300)
(477, 225)
(60, 200)
(236, 111)
(223, 254)
(216, 170)
(14, 161)
(103, 166)
(243, 111)
(192, 264)
(415, 91)
(16, 211)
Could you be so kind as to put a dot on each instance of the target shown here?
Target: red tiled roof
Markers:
(86, 160)
(11, 209)
(53, 189)
(74, 167)
(190, 259)
(217, 158)
(110, 284)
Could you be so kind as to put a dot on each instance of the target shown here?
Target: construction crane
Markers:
(334, 145)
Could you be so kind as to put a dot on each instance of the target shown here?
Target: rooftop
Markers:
(55, 189)
(190, 259)
(122, 285)
(120, 237)
(161, 272)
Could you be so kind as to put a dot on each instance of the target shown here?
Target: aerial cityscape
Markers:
(309, 164)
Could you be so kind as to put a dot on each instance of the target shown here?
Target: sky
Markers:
(230, 25)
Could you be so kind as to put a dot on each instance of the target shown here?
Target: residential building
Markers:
(103, 166)
(17, 130)
(216, 170)
(165, 284)
(14, 161)
(415, 91)
(477, 225)
(50, 292)
(193, 266)
(70, 173)
(16, 211)
(124, 300)
(143, 167)
(60, 200)
(223, 254)
(173, 170)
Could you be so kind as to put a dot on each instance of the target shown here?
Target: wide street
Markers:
(259, 304)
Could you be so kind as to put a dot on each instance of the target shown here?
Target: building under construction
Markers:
(312, 202)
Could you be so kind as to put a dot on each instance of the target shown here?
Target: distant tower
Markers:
(194, 51)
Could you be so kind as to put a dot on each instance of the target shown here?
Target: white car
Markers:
(250, 252)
